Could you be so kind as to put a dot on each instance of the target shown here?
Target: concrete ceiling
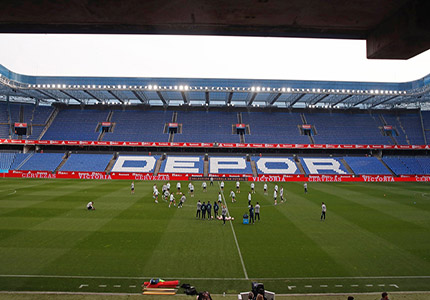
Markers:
(393, 29)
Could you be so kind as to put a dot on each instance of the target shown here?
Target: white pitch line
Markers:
(83, 285)
(117, 286)
(354, 285)
(381, 284)
(234, 235)
(369, 285)
(324, 285)
(132, 286)
(394, 285)
(14, 192)
(338, 285)
(308, 286)
(102, 285)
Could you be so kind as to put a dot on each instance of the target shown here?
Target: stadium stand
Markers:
(229, 165)
(4, 131)
(87, 162)
(191, 164)
(207, 127)
(347, 128)
(274, 127)
(275, 165)
(366, 166)
(6, 160)
(4, 113)
(135, 163)
(426, 124)
(76, 124)
(408, 165)
(137, 125)
(323, 165)
(14, 112)
(19, 159)
(408, 126)
(43, 162)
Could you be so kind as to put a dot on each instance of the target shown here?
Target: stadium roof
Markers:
(167, 92)
(393, 29)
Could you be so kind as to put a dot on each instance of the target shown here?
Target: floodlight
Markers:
(181, 87)
(263, 89)
(175, 87)
(150, 87)
(186, 87)
(258, 89)
(253, 89)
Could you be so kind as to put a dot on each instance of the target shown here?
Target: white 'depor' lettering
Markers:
(291, 166)
(175, 164)
(150, 164)
(226, 163)
(315, 164)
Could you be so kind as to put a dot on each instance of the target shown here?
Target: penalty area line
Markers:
(234, 235)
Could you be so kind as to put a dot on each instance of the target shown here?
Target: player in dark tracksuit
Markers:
(251, 214)
(209, 209)
(216, 207)
(203, 211)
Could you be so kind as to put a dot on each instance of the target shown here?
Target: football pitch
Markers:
(376, 237)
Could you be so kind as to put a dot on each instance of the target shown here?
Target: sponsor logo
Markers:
(93, 175)
(378, 178)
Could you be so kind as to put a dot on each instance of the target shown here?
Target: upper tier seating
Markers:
(137, 125)
(76, 124)
(347, 128)
(426, 121)
(274, 127)
(408, 126)
(4, 131)
(207, 127)
(87, 162)
(366, 166)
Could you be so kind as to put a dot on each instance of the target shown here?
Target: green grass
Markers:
(376, 237)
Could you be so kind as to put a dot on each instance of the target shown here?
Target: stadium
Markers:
(358, 149)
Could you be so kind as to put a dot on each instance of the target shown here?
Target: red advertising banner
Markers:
(208, 145)
(106, 124)
(240, 125)
(173, 125)
(307, 126)
(226, 177)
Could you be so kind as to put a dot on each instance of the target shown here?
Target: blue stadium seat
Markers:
(43, 162)
(274, 127)
(366, 166)
(87, 162)
(207, 127)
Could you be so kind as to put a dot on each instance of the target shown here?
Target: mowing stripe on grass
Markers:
(234, 235)
(212, 278)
